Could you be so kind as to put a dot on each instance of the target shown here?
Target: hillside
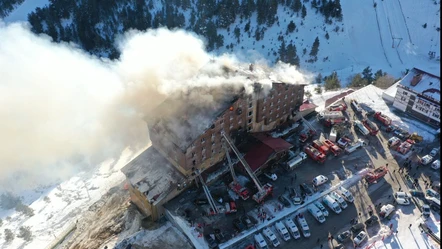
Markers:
(392, 36)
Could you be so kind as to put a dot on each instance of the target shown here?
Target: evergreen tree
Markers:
(332, 82)
(379, 74)
(296, 6)
(292, 57)
(304, 12)
(318, 78)
(367, 74)
(291, 27)
(327, 36)
(315, 47)
(358, 81)
(282, 52)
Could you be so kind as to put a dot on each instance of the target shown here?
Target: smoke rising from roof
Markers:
(61, 107)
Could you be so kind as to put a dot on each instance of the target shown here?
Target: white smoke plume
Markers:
(61, 107)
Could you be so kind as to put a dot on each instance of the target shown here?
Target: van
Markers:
(271, 237)
(339, 199)
(292, 228)
(435, 164)
(361, 128)
(260, 242)
(333, 135)
(332, 204)
(434, 203)
(296, 161)
(319, 180)
(345, 194)
(282, 230)
(319, 216)
(303, 224)
(321, 207)
(432, 193)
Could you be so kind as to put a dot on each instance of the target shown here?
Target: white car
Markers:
(339, 199)
(435, 164)
(401, 198)
(359, 238)
(345, 194)
(393, 141)
(319, 180)
(434, 152)
(426, 159)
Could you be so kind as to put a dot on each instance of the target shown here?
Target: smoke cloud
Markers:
(63, 110)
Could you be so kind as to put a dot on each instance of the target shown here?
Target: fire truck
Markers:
(311, 132)
(384, 119)
(333, 147)
(263, 190)
(314, 154)
(405, 146)
(235, 185)
(376, 174)
(323, 148)
(371, 127)
(338, 107)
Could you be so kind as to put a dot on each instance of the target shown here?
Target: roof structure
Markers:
(337, 97)
(428, 84)
(307, 106)
(152, 174)
(259, 154)
(186, 116)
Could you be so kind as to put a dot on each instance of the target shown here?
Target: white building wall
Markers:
(402, 98)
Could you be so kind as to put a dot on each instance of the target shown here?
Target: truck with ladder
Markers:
(311, 132)
(314, 154)
(384, 119)
(214, 208)
(371, 127)
(330, 118)
(323, 148)
(338, 107)
(333, 147)
(355, 105)
(263, 190)
(235, 185)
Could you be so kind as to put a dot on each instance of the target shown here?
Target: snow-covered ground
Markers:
(21, 12)
(66, 203)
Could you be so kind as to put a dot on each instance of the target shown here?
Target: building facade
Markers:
(418, 94)
(262, 110)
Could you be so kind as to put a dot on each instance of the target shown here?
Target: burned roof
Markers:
(152, 174)
(422, 82)
(186, 116)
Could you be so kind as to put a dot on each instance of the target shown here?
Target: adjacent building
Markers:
(418, 94)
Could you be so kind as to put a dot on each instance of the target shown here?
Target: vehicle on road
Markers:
(426, 211)
(319, 180)
(401, 198)
(435, 164)
(333, 147)
(333, 134)
(239, 225)
(210, 239)
(361, 128)
(344, 236)
(306, 189)
(345, 194)
(303, 224)
(393, 141)
(271, 237)
(284, 201)
(295, 196)
(248, 221)
(434, 152)
(321, 207)
(339, 199)
(373, 220)
(386, 211)
(323, 148)
(432, 193)
(317, 214)
(360, 238)
(355, 106)
(384, 119)
(353, 147)
(296, 161)
(332, 204)
(260, 242)
(425, 160)
(220, 236)
(344, 142)
(282, 230)
(357, 228)
(292, 228)
(314, 154)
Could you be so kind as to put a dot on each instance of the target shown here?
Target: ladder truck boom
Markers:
(234, 185)
(310, 126)
(243, 162)
(229, 160)
(208, 195)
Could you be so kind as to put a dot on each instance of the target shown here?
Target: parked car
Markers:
(220, 236)
(210, 238)
(319, 180)
(401, 198)
(248, 221)
(425, 160)
(284, 201)
(344, 236)
(371, 221)
(306, 189)
(238, 225)
(434, 152)
(357, 228)
(345, 194)
(359, 238)
(435, 164)
(295, 197)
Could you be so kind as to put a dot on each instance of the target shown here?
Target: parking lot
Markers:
(376, 153)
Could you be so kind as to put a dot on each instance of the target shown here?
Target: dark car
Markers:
(210, 238)
(220, 236)
(344, 236)
(201, 201)
(239, 225)
(355, 229)
(295, 197)
(373, 220)
(306, 189)
(284, 201)
(417, 193)
(248, 221)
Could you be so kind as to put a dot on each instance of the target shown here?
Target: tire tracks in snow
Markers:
(380, 35)
(391, 30)
(405, 21)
